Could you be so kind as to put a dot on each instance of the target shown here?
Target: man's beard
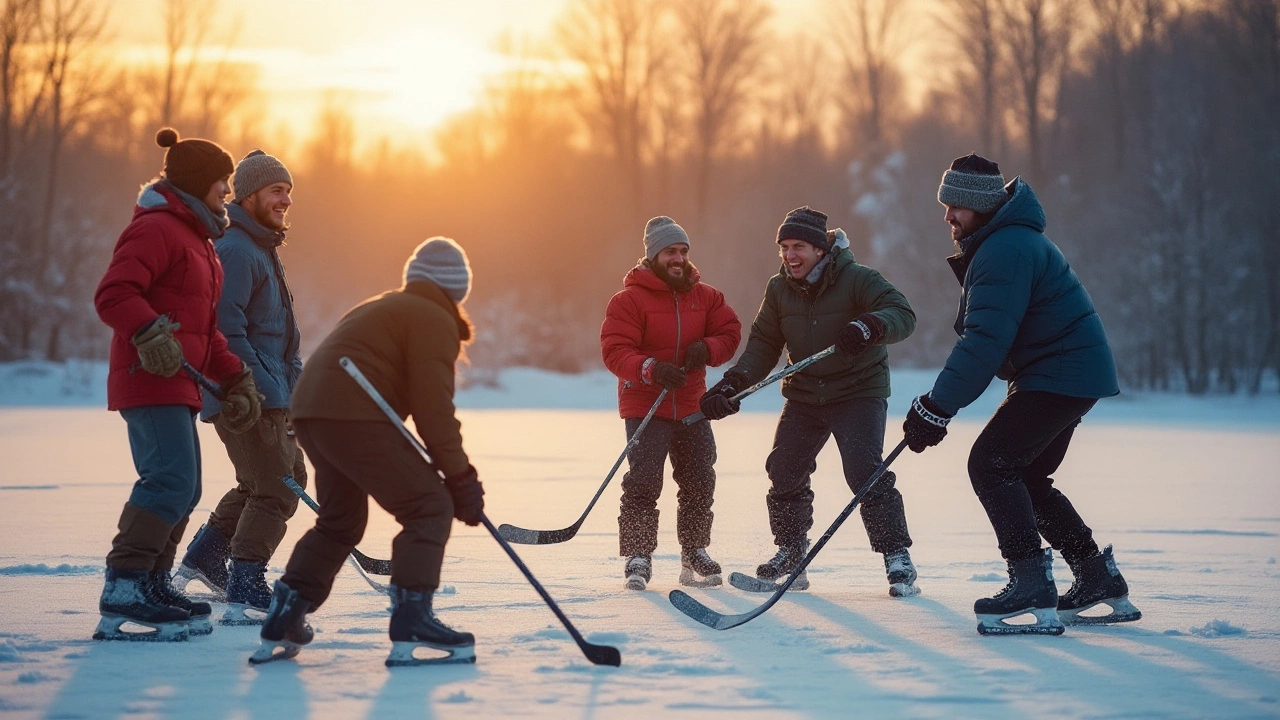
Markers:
(684, 282)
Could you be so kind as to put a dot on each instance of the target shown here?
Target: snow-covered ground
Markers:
(1187, 490)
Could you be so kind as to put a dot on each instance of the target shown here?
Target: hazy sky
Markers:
(401, 65)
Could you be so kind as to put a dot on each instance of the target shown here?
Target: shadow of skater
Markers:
(277, 691)
(408, 690)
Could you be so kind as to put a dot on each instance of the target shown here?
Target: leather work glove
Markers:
(866, 330)
(926, 424)
(468, 496)
(159, 351)
(668, 376)
(696, 356)
(241, 403)
(715, 403)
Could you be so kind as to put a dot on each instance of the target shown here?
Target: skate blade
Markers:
(1121, 611)
(267, 653)
(184, 575)
(239, 614)
(111, 627)
(636, 582)
(1047, 623)
(402, 654)
(690, 578)
(747, 583)
(903, 590)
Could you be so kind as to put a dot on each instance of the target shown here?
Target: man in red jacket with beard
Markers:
(662, 331)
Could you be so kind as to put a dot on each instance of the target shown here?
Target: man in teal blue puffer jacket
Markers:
(1024, 317)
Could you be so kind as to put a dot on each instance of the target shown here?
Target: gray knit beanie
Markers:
(256, 171)
(974, 183)
(662, 232)
(442, 261)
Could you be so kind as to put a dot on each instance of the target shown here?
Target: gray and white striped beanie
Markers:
(442, 261)
(974, 183)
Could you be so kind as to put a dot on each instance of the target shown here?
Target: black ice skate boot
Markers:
(1097, 582)
(784, 561)
(638, 571)
(697, 569)
(163, 592)
(1030, 590)
(248, 594)
(125, 600)
(414, 625)
(284, 627)
(206, 561)
(901, 573)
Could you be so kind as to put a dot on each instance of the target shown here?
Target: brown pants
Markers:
(356, 460)
(253, 513)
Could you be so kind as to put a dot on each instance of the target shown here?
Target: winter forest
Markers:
(1149, 128)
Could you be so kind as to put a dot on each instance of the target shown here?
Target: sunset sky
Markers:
(400, 66)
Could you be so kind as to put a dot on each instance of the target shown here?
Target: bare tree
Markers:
(184, 33)
(871, 36)
(725, 40)
(19, 20)
(1037, 35)
(977, 46)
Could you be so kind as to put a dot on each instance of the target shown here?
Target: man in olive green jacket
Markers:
(823, 297)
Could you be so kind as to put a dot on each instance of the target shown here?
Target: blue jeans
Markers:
(166, 454)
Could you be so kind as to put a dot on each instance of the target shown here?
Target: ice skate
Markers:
(414, 625)
(638, 571)
(285, 627)
(206, 561)
(1030, 591)
(1097, 582)
(901, 573)
(697, 569)
(163, 592)
(125, 601)
(248, 595)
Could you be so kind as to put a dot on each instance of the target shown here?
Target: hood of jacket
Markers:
(1023, 208)
(161, 196)
(259, 233)
(645, 277)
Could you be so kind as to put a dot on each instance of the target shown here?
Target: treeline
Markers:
(1149, 128)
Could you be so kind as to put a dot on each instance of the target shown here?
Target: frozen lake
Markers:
(1192, 506)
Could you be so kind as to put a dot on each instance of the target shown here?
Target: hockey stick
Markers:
(712, 619)
(784, 372)
(367, 564)
(514, 534)
(214, 388)
(597, 654)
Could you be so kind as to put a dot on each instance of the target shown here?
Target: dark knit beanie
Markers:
(660, 233)
(193, 165)
(256, 171)
(805, 224)
(974, 183)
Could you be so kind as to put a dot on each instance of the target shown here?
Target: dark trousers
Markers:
(166, 454)
(1010, 467)
(858, 427)
(693, 457)
(254, 512)
(356, 460)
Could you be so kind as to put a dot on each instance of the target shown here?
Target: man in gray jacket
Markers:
(256, 315)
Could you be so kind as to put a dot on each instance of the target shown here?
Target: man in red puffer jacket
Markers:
(159, 295)
(661, 332)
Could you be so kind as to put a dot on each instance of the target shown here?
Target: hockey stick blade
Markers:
(746, 583)
(521, 536)
(597, 654)
(719, 621)
(370, 565)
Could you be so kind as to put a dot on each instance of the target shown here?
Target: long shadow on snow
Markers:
(1134, 685)
(407, 691)
(818, 687)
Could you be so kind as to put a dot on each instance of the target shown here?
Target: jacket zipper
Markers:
(676, 360)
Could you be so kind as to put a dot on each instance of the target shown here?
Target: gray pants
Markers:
(858, 427)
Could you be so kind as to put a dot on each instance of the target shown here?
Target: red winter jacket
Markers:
(163, 263)
(649, 319)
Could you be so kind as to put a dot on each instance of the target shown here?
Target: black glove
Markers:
(926, 424)
(668, 376)
(468, 496)
(696, 356)
(866, 330)
(715, 403)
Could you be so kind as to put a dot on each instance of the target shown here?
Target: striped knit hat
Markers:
(973, 183)
(442, 261)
